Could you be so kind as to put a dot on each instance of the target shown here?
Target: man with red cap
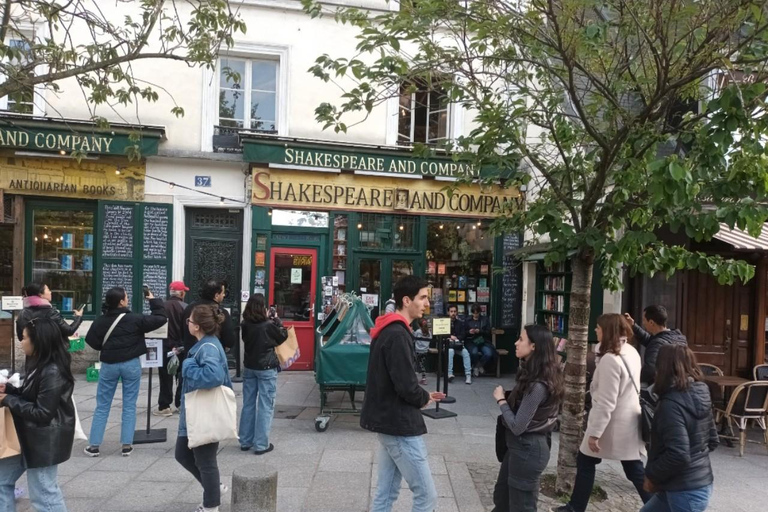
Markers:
(174, 310)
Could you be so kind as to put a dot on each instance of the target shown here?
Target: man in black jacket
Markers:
(213, 293)
(653, 335)
(174, 310)
(394, 399)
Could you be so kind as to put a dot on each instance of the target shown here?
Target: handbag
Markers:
(211, 414)
(79, 433)
(288, 351)
(9, 440)
(646, 408)
(501, 438)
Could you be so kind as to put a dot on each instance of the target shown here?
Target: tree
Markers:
(44, 42)
(590, 96)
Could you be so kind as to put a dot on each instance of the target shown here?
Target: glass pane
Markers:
(231, 73)
(401, 269)
(370, 283)
(264, 75)
(299, 218)
(292, 286)
(438, 122)
(231, 104)
(62, 256)
(263, 110)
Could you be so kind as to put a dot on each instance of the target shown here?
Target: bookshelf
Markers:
(553, 287)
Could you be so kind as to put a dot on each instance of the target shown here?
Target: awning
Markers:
(742, 240)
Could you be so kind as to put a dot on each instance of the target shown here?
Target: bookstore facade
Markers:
(320, 231)
(78, 226)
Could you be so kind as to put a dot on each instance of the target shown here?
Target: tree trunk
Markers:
(572, 417)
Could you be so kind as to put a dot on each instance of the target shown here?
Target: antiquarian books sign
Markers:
(325, 191)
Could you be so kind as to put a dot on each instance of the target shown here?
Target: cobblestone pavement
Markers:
(621, 494)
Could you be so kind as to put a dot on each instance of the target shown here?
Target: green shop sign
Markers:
(350, 159)
(56, 140)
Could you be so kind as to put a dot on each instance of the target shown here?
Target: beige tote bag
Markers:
(288, 351)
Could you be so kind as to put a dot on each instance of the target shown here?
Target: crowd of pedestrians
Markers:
(677, 476)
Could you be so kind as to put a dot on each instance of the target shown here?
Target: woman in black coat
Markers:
(683, 434)
(119, 335)
(44, 416)
(37, 304)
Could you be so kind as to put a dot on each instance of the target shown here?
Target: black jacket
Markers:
(393, 397)
(44, 415)
(226, 336)
(36, 312)
(482, 323)
(127, 339)
(653, 344)
(174, 310)
(260, 340)
(682, 436)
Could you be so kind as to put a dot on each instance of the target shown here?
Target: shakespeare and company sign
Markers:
(101, 143)
(304, 190)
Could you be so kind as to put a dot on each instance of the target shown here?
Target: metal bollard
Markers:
(254, 489)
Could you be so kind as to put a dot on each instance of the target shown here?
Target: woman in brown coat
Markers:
(613, 427)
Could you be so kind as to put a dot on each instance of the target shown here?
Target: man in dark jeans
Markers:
(653, 335)
(174, 310)
(477, 340)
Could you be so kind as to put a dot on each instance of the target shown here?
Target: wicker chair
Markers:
(760, 372)
(748, 402)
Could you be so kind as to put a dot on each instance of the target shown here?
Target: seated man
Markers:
(477, 340)
(456, 343)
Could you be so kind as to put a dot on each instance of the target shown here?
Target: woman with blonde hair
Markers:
(613, 427)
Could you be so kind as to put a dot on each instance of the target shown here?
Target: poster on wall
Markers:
(431, 268)
(260, 277)
(260, 259)
(441, 269)
(371, 299)
(296, 275)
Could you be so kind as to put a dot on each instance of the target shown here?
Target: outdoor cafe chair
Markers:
(748, 402)
(760, 372)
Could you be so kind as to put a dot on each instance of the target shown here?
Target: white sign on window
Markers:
(296, 276)
(12, 303)
(371, 299)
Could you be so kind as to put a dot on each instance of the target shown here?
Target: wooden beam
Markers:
(18, 244)
(761, 301)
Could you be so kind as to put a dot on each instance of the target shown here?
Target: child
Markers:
(422, 337)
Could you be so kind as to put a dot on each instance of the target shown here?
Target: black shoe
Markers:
(269, 449)
(563, 508)
(92, 451)
(450, 378)
(127, 450)
(245, 448)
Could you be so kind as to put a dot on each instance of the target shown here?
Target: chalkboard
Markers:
(117, 232)
(117, 274)
(156, 277)
(156, 232)
(511, 283)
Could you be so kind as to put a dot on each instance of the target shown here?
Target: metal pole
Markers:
(13, 342)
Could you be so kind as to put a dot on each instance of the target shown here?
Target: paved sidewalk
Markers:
(335, 471)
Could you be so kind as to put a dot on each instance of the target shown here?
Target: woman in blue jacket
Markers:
(205, 367)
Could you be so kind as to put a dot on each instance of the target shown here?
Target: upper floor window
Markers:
(423, 114)
(23, 100)
(248, 94)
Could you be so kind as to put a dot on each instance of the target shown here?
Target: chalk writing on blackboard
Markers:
(155, 233)
(117, 274)
(117, 237)
(511, 283)
(156, 277)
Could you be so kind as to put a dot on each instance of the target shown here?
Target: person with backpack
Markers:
(683, 435)
(44, 416)
(119, 335)
(260, 337)
(529, 416)
(205, 367)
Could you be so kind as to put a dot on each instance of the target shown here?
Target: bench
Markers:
(499, 351)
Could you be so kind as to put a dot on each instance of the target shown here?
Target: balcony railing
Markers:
(226, 139)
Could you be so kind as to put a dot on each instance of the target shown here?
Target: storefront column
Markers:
(18, 244)
(761, 274)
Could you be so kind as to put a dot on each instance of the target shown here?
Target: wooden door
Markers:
(292, 284)
(718, 321)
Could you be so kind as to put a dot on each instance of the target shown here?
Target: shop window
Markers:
(248, 94)
(387, 232)
(423, 114)
(459, 265)
(296, 218)
(23, 100)
(62, 256)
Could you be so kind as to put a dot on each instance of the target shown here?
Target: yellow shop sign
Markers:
(329, 191)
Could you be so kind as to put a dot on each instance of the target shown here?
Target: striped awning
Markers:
(742, 240)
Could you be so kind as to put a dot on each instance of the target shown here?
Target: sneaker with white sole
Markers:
(92, 451)
(468, 379)
(167, 412)
(127, 450)
(476, 371)
(450, 377)
(203, 509)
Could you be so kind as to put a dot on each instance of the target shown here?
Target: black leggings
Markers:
(585, 480)
(201, 462)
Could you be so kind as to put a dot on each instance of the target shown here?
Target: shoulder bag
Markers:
(646, 408)
(211, 414)
(112, 328)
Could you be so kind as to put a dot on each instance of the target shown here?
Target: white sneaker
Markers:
(224, 489)
(468, 379)
(203, 509)
(163, 412)
(476, 372)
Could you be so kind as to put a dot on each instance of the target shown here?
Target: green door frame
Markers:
(386, 258)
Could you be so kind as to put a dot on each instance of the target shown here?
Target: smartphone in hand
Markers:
(146, 291)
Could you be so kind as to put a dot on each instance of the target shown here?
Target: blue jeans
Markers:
(130, 373)
(44, 492)
(481, 355)
(404, 457)
(464, 356)
(259, 388)
(695, 500)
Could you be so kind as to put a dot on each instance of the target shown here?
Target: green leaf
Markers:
(677, 171)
